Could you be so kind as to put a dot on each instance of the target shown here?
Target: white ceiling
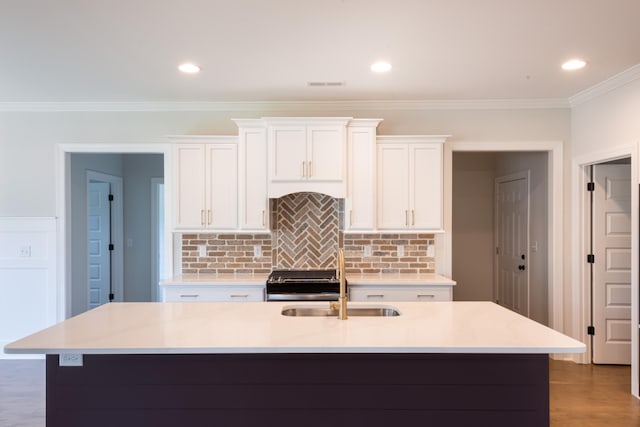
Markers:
(267, 50)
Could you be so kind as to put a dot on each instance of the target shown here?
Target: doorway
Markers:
(104, 239)
(131, 162)
(474, 264)
(609, 258)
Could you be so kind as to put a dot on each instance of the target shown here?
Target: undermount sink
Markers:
(302, 311)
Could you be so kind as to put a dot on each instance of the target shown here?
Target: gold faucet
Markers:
(341, 304)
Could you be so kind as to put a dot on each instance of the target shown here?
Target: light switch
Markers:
(202, 250)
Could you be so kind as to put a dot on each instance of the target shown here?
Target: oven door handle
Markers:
(303, 297)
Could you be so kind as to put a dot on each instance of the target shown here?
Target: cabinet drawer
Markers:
(397, 293)
(212, 293)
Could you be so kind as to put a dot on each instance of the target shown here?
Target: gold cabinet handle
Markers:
(413, 217)
(239, 295)
(375, 295)
(303, 169)
(189, 295)
(209, 217)
(201, 216)
(350, 216)
(310, 169)
(406, 217)
(264, 218)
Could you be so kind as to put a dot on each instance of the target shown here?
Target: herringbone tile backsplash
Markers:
(306, 231)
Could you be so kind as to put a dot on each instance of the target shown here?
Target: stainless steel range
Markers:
(303, 285)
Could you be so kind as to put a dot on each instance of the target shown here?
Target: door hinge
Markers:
(111, 197)
(111, 246)
(591, 330)
(591, 258)
(111, 297)
(591, 186)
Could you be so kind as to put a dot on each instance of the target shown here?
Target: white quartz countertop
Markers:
(216, 279)
(259, 327)
(398, 279)
(354, 279)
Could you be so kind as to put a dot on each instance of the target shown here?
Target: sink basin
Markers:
(302, 311)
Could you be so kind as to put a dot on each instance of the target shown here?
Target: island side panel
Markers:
(265, 389)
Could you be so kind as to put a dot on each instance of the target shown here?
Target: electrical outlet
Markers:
(24, 252)
(400, 250)
(257, 251)
(71, 359)
(431, 251)
(367, 250)
(202, 251)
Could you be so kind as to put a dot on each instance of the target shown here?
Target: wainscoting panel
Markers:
(27, 278)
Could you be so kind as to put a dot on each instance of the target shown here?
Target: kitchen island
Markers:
(228, 364)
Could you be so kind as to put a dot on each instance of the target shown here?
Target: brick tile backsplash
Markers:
(384, 253)
(306, 231)
(226, 253)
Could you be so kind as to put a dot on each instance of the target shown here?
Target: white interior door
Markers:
(512, 243)
(99, 270)
(612, 267)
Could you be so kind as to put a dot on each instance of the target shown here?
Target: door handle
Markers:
(521, 267)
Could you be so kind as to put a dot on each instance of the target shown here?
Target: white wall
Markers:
(27, 140)
(603, 126)
(28, 292)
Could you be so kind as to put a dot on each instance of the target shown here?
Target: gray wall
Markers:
(136, 171)
(472, 223)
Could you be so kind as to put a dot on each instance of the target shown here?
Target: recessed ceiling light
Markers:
(189, 68)
(574, 64)
(380, 67)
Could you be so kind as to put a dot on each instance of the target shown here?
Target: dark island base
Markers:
(310, 390)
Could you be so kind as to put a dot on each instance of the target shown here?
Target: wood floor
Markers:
(581, 395)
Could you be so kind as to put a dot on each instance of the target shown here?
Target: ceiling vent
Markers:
(325, 84)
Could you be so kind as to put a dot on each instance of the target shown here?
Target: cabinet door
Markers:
(212, 293)
(288, 153)
(326, 152)
(397, 293)
(190, 198)
(425, 186)
(361, 183)
(222, 184)
(393, 186)
(253, 213)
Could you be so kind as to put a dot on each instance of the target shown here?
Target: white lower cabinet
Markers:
(400, 293)
(213, 293)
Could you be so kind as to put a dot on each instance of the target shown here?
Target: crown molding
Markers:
(627, 76)
(285, 106)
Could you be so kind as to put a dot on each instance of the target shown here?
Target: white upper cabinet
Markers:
(360, 206)
(206, 183)
(307, 154)
(409, 174)
(252, 176)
